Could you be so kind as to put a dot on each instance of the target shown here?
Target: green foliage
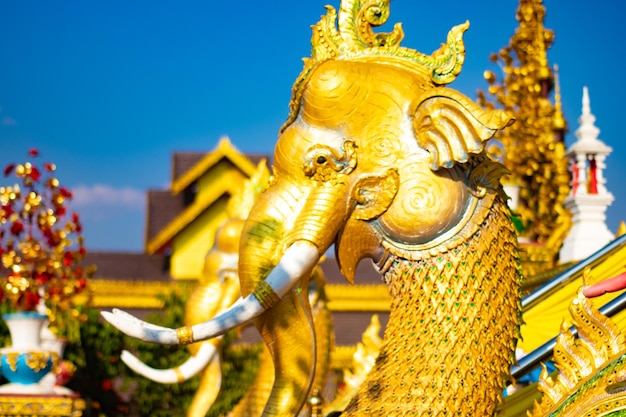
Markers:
(150, 398)
(96, 357)
(111, 389)
(239, 368)
(117, 391)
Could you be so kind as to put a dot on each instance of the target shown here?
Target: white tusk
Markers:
(298, 260)
(181, 373)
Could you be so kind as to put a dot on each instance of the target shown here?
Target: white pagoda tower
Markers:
(588, 198)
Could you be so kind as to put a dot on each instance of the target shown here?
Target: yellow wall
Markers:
(222, 174)
(192, 244)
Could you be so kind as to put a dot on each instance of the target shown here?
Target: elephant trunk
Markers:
(287, 327)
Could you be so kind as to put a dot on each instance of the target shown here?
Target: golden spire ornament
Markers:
(534, 149)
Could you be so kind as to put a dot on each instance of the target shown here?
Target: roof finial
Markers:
(587, 132)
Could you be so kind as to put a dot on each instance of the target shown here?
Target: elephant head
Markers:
(382, 161)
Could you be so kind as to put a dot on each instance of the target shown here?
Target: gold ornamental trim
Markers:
(184, 335)
(591, 365)
(145, 295)
(266, 295)
(45, 405)
(133, 294)
(360, 298)
(348, 34)
(342, 357)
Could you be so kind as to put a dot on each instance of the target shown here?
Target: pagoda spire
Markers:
(533, 147)
(588, 198)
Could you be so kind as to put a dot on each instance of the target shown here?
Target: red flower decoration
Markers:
(107, 385)
(6, 211)
(17, 228)
(8, 169)
(68, 258)
(41, 248)
(65, 192)
(35, 174)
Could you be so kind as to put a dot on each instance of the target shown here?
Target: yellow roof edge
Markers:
(224, 149)
(187, 216)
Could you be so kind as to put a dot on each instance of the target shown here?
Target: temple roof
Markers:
(189, 167)
(170, 211)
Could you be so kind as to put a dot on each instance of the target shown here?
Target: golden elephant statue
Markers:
(380, 160)
(218, 289)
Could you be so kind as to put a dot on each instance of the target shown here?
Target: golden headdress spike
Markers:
(352, 39)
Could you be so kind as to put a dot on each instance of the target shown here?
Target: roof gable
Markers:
(225, 149)
(221, 171)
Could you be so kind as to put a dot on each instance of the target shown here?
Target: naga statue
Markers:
(591, 377)
(381, 160)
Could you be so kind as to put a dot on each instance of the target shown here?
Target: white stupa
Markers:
(588, 198)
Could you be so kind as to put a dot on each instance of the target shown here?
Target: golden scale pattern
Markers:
(443, 340)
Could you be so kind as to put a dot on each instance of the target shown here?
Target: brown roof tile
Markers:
(348, 328)
(183, 161)
(128, 266)
(162, 208)
(365, 273)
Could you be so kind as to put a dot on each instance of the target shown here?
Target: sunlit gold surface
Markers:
(534, 148)
(361, 363)
(41, 405)
(255, 399)
(443, 352)
(592, 367)
(381, 160)
(185, 335)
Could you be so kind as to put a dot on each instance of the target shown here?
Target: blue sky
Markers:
(109, 90)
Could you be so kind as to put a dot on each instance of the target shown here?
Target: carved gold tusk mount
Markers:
(266, 295)
(184, 335)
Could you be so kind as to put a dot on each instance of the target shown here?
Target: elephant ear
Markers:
(451, 127)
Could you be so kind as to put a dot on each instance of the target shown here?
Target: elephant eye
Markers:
(324, 163)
